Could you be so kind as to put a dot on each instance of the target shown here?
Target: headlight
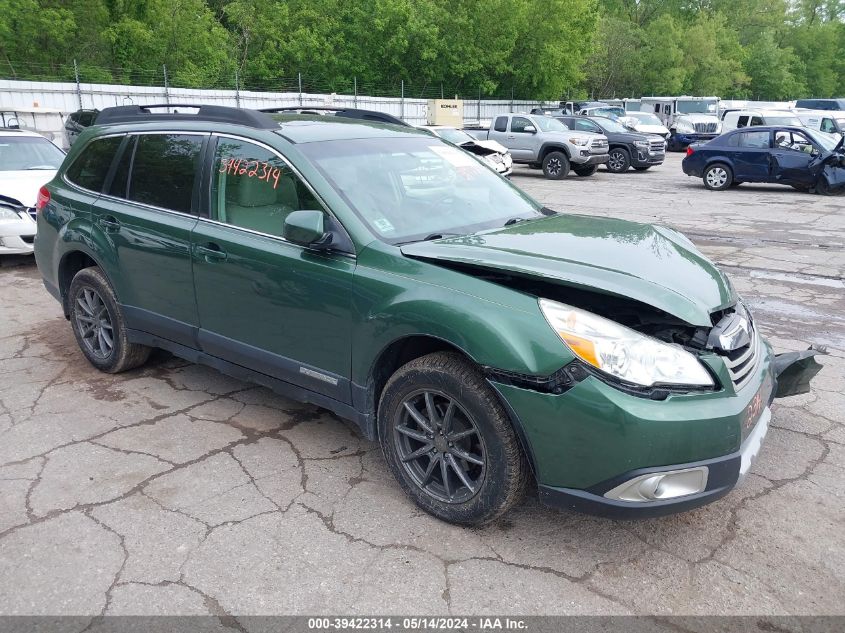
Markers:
(641, 144)
(581, 142)
(7, 215)
(684, 128)
(621, 351)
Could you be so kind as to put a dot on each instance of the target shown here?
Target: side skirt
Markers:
(281, 387)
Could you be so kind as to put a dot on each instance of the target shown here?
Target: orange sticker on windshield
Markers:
(251, 169)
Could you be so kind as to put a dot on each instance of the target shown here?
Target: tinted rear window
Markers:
(91, 167)
(164, 170)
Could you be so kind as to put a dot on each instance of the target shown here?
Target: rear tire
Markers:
(587, 170)
(555, 166)
(718, 177)
(619, 160)
(464, 467)
(99, 326)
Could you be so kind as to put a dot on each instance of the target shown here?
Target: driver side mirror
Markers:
(307, 228)
(13, 124)
(529, 129)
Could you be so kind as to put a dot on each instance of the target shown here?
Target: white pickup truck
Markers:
(543, 142)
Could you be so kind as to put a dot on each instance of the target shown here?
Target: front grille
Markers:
(28, 239)
(599, 143)
(31, 211)
(742, 362)
(706, 128)
(656, 146)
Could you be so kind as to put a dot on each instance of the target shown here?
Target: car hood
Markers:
(23, 185)
(646, 128)
(651, 264)
(574, 134)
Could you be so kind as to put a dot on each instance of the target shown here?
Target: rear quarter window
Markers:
(91, 167)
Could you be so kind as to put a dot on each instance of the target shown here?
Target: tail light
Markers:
(690, 150)
(42, 200)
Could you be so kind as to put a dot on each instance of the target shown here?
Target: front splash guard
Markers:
(795, 370)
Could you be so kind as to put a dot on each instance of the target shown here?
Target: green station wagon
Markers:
(381, 273)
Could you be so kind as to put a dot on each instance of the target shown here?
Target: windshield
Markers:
(453, 135)
(28, 152)
(609, 125)
(646, 117)
(548, 124)
(696, 107)
(827, 141)
(410, 189)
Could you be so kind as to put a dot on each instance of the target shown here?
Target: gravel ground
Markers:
(176, 490)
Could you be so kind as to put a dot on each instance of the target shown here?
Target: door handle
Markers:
(109, 223)
(210, 251)
(511, 136)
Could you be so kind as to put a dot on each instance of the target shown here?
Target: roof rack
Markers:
(199, 112)
(349, 113)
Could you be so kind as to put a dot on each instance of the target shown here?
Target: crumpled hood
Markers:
(23, 185)
(651, 264)
(493, 146)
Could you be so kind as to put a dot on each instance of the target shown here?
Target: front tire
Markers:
(585, 171)
(555, 166)
(99, 326)
(449, 442)
(619, 161)
(718, 177)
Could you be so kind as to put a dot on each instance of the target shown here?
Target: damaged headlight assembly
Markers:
(622, 352)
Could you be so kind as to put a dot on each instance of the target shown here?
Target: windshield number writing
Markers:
(251, 169)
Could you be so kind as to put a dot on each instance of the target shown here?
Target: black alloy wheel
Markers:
(440, 446)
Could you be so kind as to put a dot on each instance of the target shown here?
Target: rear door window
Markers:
(91, 167)
(501, 124)
(754, 140)
(164, 170)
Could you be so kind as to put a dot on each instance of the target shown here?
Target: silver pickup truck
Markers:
(543, 142)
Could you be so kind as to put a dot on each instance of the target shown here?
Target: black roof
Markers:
(217, 114)
(349, 113)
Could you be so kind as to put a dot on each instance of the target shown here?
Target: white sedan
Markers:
(28, 161)
(494, 154)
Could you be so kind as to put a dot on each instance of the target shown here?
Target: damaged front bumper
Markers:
(596, 458)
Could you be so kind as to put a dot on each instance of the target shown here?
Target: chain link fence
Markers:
(71, 86)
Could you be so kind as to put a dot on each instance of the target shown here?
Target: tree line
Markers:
(530, 49)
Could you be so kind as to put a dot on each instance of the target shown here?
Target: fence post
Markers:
(78, 87)
(402, 101)
(166, 90)
(355, 83)
(237, 90)
(478, 110)
(299, 79)
(511, 99)
(441, 89)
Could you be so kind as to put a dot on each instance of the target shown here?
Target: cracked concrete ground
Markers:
(176, 490)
